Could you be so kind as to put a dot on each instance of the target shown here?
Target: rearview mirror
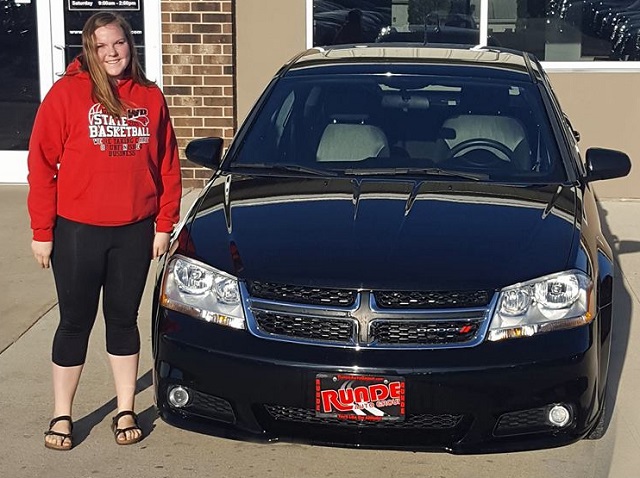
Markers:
(205, 152)
(606, 164)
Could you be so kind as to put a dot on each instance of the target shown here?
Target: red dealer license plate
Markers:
(359, 397)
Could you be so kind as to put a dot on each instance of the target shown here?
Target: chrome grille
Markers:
(431, 300)
(303, 415)
(316, 328)
(423, 332)
(363, 323)
(302, 295)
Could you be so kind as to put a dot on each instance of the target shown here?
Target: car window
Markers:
(376, 123)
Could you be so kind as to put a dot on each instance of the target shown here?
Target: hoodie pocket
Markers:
(110, 196)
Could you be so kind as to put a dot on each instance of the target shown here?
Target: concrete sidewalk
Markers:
(28, 317)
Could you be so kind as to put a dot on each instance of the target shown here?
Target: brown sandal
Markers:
(66, 437)
(119, 431)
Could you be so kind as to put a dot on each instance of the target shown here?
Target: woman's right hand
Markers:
(42, 252)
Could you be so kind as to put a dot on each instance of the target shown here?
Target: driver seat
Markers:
(502, 129)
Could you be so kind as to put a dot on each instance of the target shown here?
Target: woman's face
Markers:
(112, 50)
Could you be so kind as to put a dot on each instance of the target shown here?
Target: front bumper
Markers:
(488, 398)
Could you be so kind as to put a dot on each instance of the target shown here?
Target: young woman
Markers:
(104, 195)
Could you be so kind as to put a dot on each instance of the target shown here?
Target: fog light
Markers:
(559, 415)
(178, 396)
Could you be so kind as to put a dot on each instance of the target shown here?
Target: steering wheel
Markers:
(481, 153)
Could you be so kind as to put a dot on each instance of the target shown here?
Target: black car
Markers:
(400, 249)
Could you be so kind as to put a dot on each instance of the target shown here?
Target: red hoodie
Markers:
(89, 167)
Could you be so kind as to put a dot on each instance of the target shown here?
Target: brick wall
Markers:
(198, 69)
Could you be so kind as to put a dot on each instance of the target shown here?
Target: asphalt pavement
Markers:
(29, 315)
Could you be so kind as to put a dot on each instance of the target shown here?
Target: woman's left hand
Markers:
(160, 244)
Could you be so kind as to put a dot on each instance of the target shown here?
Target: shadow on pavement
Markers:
(82, 428)
(622, 311)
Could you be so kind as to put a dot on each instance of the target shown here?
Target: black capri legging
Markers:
(87, 259)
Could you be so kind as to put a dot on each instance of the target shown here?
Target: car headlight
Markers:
(557, 301)
(198, 290)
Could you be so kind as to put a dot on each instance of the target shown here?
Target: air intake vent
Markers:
(302, 295)
(431, 300)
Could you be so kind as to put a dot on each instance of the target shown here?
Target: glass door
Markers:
(20, 92)
(36, 44)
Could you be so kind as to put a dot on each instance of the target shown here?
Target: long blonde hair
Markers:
(104, 87)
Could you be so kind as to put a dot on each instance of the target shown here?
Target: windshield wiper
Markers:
(420, 171)
(286, 167)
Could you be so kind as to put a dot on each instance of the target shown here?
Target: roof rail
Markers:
(527, 61)
(287, 66)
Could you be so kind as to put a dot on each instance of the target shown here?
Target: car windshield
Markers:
(455, 128)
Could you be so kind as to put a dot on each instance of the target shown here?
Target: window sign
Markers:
(97, 5)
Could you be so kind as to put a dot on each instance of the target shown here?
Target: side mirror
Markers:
(606, 164)
(205, 152)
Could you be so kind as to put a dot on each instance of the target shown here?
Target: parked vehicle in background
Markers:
(451, 29)
(400, 249)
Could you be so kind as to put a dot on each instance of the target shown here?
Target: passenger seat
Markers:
(351, 142)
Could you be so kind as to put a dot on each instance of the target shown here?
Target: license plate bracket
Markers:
(356, 397)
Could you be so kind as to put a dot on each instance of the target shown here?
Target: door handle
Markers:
(56, 64)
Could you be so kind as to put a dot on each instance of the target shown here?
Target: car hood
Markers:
(391, 234)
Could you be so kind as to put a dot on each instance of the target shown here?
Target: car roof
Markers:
(509, 61)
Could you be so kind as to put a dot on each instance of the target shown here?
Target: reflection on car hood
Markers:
(397, 234)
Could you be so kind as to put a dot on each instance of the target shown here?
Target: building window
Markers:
(20, 92)
(579, 33)
(367, 21)
(568, 30)
(349, 21)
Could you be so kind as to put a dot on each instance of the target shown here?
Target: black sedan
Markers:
(400, 249)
